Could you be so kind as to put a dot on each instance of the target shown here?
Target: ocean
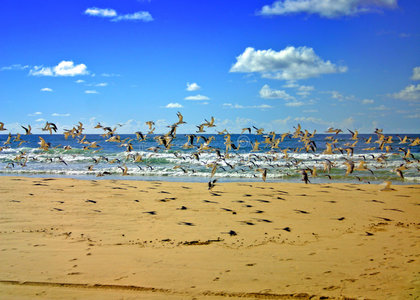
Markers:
(111, 159)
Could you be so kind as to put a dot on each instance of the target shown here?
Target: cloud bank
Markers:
(144, 16)
(288, 64)
(64, 68)
(326, 8)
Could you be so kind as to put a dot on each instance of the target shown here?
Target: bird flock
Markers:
(264, 157)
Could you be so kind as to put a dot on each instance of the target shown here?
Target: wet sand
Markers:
(107, 239)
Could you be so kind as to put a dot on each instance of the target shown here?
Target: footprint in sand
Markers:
(385, 219)
(331, 288)
(167, 199)
(377, 201)
(246, 223)
(263, 201)
(229, 210)
(186, 223)
(394, 209)
(215, 194)
(264, 220)
(208, 201)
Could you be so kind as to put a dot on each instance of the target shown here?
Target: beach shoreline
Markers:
(64, 237)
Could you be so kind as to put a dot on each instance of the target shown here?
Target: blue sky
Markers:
(348, 64)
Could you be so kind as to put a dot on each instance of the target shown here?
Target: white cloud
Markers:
(312, 120)
(101, 12)
(173, 105)
(326, 8)
(263, 106)
(64, 68)
(67, 68)
(380, 108)
(416, 73)
(14, 67)
(367, 101)
(415, 116)
(79, 81)
(267, 93)
(192, 87)
(340, 97)
(40, 120)
(294, 103)
(60, 115)
(137, 16)
(46, 90)
(291, 84)
(37, 113)
(41, 71)
(282, 121)
(197, 98)
(101, 84)
(91, 92)
(336, 95)
(304, 90)
(288, 64)
(115, 17)
(410, 93)
(239, 106)
(110, 75)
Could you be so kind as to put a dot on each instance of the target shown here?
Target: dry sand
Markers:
(107, 239)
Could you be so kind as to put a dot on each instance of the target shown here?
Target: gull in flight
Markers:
(2, 126)
(209, 124)
(27, 129)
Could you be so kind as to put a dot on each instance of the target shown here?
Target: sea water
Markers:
(179, 164)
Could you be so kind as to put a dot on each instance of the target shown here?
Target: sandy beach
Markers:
(107, 239)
